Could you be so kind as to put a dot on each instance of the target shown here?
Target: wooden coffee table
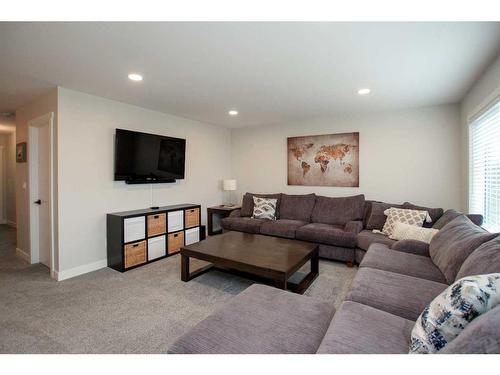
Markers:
(254, 256)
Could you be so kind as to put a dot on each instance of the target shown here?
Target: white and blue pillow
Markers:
(450, 312)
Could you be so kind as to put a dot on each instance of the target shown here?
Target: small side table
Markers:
(219, 212)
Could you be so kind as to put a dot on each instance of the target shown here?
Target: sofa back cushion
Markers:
(375, 217)
(297, 207)
(479, 337)
(434, 213)
(454, 243)
(485, 259)
(247, 204)
(338, 211)
(449, 215)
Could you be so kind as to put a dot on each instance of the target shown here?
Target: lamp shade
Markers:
(229, 185)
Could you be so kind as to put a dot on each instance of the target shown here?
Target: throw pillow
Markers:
(264, 208)
(404, 231)
(434, 213)
(450, 312)
(376, 218)
(403, 215)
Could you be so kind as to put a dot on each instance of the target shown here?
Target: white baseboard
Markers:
(23, 254)
(80, 270)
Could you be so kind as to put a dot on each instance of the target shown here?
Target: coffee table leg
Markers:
(281, 283)
(184, 267)
(301, 287)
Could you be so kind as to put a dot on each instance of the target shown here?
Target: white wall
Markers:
(87, 191)
(411, 155)
(483, 92)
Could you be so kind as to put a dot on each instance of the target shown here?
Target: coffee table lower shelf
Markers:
(280, 280)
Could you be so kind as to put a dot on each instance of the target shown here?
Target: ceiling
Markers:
(271, 72)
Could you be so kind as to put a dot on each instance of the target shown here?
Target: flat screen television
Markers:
(148, 158)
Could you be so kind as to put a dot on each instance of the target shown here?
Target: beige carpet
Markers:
(141, 311)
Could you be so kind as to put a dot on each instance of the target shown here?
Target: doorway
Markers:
(41, 156)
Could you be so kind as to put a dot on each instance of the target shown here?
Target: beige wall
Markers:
(409, 155)
(39, 107)
(87, 191)
(8, 141)
(483, 92)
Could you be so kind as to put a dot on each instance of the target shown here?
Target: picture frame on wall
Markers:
(21, 152)
(324, 160)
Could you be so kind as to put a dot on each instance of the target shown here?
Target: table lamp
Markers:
(229, 185)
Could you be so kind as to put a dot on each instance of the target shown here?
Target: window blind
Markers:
(484, 167)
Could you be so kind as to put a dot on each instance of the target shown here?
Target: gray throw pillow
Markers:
(450, 312)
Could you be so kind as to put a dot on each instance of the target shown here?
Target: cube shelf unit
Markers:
(139, 237)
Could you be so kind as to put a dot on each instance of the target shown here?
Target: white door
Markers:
(40, 159)
(44, 194)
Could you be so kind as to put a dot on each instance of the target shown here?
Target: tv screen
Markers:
(148, 157)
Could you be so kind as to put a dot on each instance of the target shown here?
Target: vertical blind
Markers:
(484, 167)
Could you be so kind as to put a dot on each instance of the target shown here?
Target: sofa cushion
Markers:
(340, 253)
(482, 336)
(297, 207)
(454, 243)
(444, 319)
(281, 228)
(412, 247)
(358, 329)
(449, 215)
(376, 217)
(326, 234)
(367, 237)
(261, 319)
(338, 211)
(247, 203)
(382, 258)
(485, 259)
(434, 213)
(401, 295)
(242, 224)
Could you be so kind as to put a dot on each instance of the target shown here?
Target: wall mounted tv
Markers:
(142, 158)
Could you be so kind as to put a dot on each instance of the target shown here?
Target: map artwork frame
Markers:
(324, 160)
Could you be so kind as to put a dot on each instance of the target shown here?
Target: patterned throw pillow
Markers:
(450, 312)
(403, 215)
(402, 231)
(264, 208)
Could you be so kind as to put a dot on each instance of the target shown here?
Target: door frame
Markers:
(2, 186)
(33, 126)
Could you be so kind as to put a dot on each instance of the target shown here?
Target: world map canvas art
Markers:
(324, 160)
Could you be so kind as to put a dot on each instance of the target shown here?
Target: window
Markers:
(484, 167)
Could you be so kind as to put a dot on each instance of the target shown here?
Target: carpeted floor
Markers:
(140, 311)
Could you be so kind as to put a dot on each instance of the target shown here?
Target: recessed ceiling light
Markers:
(135, 77)
(363, 91)
(233, 112)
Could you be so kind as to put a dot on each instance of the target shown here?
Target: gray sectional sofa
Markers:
(392, 287)
(342, 227)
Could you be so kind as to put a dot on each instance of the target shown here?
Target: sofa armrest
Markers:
(235, 213)
(354, 227)
(412, 247)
